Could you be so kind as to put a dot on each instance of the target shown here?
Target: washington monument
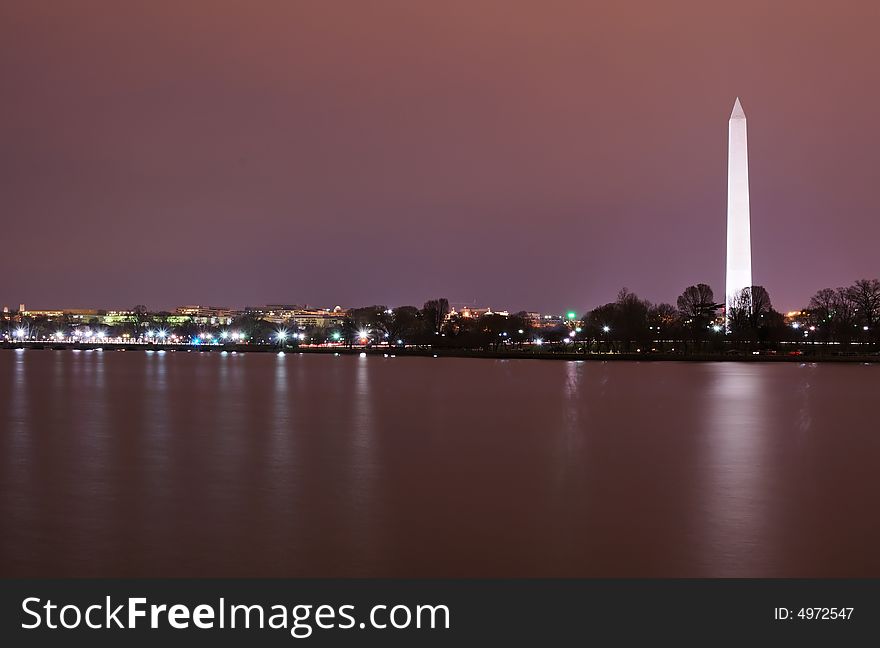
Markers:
(739, 238)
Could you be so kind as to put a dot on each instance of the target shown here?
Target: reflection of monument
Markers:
(739, 239)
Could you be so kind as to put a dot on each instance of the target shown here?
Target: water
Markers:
(189, 464)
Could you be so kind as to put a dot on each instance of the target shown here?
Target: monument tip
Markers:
(737, 112)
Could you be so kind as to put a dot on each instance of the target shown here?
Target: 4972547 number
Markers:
(813, 613)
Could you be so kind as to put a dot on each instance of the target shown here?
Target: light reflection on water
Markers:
(735, 489)
(295, 465)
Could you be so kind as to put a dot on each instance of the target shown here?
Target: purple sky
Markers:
(534, 155)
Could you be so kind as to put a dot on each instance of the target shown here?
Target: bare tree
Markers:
(434, 313)
(864, 295)
(761, 305)
(822, 304)
(663, 314)
(404, 325)
(822, 310)
(631, 320)
(697, 307)
(695, 300)
(739, 311)
(843, 318)
(748, 308)
(664, 321)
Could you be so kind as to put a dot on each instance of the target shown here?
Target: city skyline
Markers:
(522, 157)
(389, 320)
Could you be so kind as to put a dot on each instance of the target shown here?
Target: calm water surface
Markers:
(189, 464)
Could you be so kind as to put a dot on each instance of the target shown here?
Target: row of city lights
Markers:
(283, 335)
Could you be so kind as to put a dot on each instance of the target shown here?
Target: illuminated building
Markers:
(300, 316)
(319, 318)
(208, 314)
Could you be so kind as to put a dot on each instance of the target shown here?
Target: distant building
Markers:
(319, 318)
(116, 317)
(53, 313)
(535, 319)
(208, 314)
(468, 312)
(275, 313)
(299, 316)
(548, 321)
(800, 319)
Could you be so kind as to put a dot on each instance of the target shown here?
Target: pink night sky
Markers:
(535, 155)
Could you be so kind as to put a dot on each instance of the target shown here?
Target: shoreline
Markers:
(454, 353)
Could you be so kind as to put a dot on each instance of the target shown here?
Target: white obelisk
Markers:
(739, 237)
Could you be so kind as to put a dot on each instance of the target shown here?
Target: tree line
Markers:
(697, 323)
